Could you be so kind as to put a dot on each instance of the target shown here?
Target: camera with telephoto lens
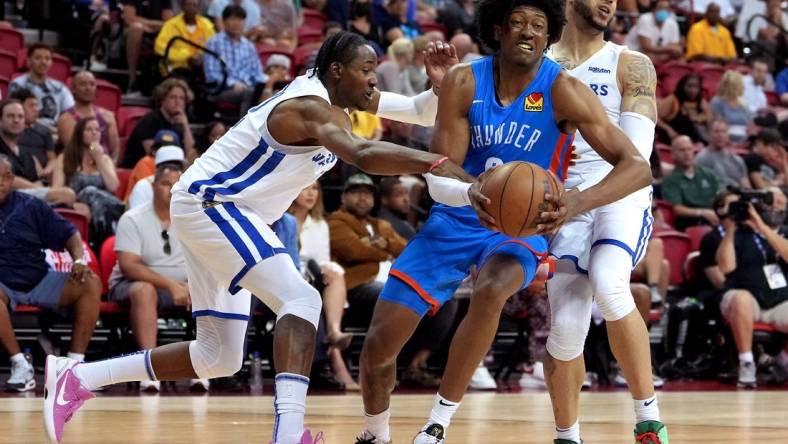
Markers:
(739, 211)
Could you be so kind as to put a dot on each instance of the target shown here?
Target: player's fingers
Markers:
(452, 50)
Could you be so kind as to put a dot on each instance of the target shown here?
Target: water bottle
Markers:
(256, 376)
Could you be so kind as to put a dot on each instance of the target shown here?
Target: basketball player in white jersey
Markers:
(597, 250)
(221, 211)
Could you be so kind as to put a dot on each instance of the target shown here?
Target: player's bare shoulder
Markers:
(638, 80)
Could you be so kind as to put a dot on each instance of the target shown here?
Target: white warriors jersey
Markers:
(248, 167)
(599, 72)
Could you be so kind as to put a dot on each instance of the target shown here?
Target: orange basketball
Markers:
(516, 191)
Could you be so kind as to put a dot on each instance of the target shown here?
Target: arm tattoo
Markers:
(640, 83)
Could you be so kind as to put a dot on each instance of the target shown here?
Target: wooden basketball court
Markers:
(693, 417)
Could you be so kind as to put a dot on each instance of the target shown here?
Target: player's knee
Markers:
(612, 295)
(215, 360)
(302, 301)
(566, 340)
(498, 283)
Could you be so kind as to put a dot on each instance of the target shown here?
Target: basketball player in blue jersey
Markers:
(515, 105)
(597, 250)
(221, 211)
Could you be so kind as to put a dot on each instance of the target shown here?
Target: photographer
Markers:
(753, 256)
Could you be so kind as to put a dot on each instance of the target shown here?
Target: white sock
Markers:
(378, 425)
(19, 359)
(79, 357)
(647, 409)
(290, 405)
(572, 433)
(132, 367)
(442, 411)
(746, 357)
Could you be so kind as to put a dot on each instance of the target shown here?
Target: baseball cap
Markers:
(359, 180)
(278, 59)
(167, 137)
(170, 153)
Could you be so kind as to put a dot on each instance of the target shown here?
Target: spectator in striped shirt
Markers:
(245, 77)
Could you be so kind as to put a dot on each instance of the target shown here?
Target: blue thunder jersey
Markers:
(438, 258)
(524, 130)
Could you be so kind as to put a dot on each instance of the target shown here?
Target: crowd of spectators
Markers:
(200, 65)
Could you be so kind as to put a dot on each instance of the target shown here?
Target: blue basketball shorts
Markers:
(440, 256)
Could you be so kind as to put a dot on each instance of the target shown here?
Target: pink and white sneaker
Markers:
(306, 438)
(63, 395)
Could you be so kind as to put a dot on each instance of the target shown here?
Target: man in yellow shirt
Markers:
(190, 26)
(709, 40)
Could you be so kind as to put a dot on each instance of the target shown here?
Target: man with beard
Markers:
(597, 250)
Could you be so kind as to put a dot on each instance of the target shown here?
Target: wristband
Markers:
(437, 163)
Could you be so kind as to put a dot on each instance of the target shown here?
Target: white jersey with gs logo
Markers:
(599, 72)
(249, 168)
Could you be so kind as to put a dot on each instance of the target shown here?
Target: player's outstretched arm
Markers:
(330, 126)
(420, 109)
(577, 106)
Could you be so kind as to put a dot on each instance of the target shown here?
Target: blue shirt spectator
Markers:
(250, 6)
(286, 229)
(781, 83)
(243, 64)
(27, 227)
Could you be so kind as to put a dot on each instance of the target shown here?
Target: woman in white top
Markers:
(314, 245)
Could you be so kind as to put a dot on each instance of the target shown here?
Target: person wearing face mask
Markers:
(753, 256)
(656, 34)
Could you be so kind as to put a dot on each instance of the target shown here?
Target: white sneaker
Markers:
(620, 381)
(747, 375)
(200, 385)
(22, 378)
(589, 380)
(431, 434)
(535, 379)
(150, 386)
(482, 379)
(657, 381)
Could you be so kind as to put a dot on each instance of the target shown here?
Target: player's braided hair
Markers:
(341, 48)
(497, 12)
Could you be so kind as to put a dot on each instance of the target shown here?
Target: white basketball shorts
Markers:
(221, 242)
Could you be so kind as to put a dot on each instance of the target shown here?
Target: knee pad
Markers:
(609, 272)
(219, 347)
(569, 293)
(277, 283)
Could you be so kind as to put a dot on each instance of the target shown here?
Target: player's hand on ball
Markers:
(478, 201)
(563, 209)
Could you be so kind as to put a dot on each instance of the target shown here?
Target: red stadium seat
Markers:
(127, 118)
(4, 86)
(301, 54)
(666, 208)
(307, 35)
(664, 152)
(123, 182)
(711, 76)
(669, 78)
(7, 64)
(696, 234)
(431, 25)
(265, 51)
(108, 95)
(677, 248)
(108, 259)
(772, 98)
(79, 220)
(11, 40)
(313, 19)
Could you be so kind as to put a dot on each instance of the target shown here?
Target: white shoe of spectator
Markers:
(482, 379)
(620, 381)
(200, 385)
(747, 375)
(22, 378)
(535, 379)
(150, 386)
(589, 380)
